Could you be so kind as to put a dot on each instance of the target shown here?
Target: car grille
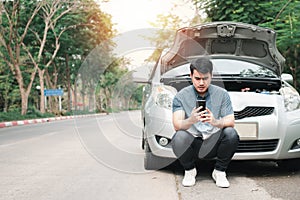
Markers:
(257, 145)
(252, 111)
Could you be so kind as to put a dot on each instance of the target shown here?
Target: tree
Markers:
(8, 90)
(166, 26)
(232, 10)
(287, 23)
(282, 16)
(23, 42)
(93, 28)
(109, 80)
(34, 32)
(96, 41)
(11, 40)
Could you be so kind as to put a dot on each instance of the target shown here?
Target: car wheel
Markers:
(143, 139)
(153, 162)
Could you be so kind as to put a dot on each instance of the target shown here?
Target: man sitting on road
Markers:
(205, 134)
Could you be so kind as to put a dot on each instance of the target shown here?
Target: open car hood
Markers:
(227, 40)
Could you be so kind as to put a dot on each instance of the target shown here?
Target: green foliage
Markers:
(78, 33)
(108, 82)
(9, 92)
(164, 37)
(78, 112)
(137, 95)
(14, 115)
(287, 23)
(235, 10)
(281, 15)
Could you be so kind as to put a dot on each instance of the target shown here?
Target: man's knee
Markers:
(182, 138)
(231, 134)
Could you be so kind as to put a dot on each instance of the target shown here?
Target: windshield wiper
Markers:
(183, 75)
(178, 76)
(227, 75)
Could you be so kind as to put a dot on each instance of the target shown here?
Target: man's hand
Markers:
(179, 121)
(207, 116)
(196, 115)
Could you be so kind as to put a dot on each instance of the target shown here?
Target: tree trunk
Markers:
(42, 84)
(68, 82)
(91, 99)
(83, 96)
(24, 106)
(296, 64)
(23, 92)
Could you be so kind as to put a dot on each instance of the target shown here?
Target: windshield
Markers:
(225, 67)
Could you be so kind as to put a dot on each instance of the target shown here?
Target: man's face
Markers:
(201, 81)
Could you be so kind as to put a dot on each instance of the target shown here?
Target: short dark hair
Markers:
(203, 65)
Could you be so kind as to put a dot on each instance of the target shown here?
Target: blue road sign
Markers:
(54, 92)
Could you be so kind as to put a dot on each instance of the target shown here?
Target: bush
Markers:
(15, 115)
(33, 113)
(78, 112)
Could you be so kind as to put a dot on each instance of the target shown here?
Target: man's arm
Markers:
(227, 121)
(179, 121)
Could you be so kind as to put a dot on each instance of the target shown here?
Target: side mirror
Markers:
(287, 77)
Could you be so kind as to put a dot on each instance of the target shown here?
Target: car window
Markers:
(225, 67)
(241, 69)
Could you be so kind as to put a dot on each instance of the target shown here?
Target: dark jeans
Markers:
(186, 148)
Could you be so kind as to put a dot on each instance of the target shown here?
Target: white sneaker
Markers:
(189, 177)
(220, 179)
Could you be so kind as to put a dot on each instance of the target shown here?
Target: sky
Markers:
(136, 14)
(131, 16)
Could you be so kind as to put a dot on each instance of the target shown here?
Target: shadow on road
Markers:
(247, 168)
(264, 168)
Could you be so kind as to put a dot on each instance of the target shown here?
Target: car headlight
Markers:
(164, 96)
(291, 98)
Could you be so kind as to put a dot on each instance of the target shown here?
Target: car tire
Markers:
(143, 140)
(153, 162)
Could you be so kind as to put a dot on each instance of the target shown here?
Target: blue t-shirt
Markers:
(217, 101)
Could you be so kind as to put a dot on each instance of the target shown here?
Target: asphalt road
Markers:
(100, 158)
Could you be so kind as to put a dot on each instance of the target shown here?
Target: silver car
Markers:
(249, 66)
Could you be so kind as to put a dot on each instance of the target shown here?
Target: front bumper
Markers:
(284, 133)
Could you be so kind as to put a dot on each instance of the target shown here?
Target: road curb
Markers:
(43, 120)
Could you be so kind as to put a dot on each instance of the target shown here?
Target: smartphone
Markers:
(201, 103)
